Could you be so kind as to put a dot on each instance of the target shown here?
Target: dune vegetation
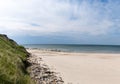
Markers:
(13, 62)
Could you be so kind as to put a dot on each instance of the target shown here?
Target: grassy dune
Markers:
(13, 62)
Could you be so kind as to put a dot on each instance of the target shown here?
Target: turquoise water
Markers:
(77, 48)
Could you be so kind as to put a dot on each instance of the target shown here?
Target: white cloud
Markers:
(55, 16)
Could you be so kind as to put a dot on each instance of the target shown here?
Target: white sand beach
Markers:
(83, 68)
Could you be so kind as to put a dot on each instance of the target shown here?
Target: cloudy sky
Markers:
(61, 21)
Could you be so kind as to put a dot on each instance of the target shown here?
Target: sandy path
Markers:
(83, 68)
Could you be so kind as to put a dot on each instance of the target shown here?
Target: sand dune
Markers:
(83, 68)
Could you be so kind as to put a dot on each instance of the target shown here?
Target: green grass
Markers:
(12, 63)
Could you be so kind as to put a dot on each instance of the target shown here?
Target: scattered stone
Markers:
(41, 73)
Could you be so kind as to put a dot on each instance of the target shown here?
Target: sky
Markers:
(61, 21)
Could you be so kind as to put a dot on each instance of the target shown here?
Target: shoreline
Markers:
(58, 50)
(83, 68)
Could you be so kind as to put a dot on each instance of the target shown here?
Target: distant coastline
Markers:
(75, 48)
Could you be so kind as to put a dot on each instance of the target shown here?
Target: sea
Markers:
(76, 48)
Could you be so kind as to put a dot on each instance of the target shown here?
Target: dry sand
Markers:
(83, 68)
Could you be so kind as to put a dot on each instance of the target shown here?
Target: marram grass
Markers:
(12, 63)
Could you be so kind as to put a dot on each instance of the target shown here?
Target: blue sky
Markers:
(61, 21)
